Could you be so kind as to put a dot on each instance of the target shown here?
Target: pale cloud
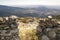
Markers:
(30, 2)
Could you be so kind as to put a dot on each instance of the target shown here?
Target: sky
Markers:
(29, 2)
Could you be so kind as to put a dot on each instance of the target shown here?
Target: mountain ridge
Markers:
(39, 11)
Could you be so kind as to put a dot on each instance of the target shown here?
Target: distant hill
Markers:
(57, 16)
(39, 11)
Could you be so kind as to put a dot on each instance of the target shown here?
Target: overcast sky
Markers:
(30, 2)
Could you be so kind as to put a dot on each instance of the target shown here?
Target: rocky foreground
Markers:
(28, 28)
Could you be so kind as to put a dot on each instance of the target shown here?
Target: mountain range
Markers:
(33, 11)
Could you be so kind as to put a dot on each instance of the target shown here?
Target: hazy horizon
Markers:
(30, 2)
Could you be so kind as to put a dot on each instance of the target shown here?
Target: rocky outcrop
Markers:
(9, 30)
